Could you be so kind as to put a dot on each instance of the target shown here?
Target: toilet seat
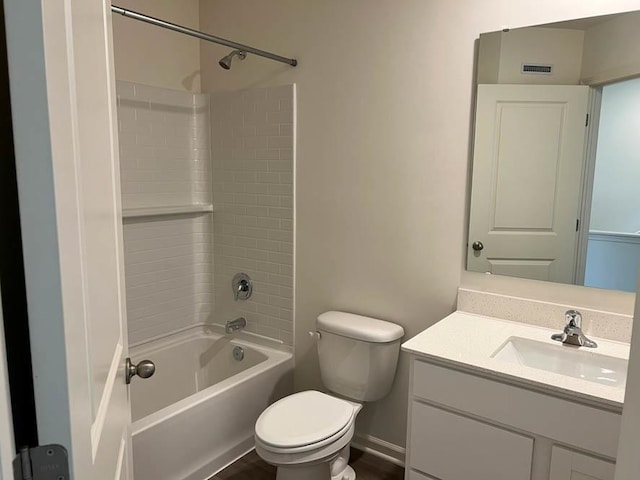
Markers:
(304, 421)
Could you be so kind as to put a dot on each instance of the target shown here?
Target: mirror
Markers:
(555, 191)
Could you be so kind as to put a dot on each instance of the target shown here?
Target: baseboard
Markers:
(380, 448)
(221, 462)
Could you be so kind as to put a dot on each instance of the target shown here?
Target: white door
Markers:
(64, 115)
(628, 460)
(527, 178)
(7, 449)
(569, 465)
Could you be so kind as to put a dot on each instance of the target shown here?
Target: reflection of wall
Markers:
(501, 55)
(616, 188)
(384, 105)
(611, 49)
(155, 56)
(612, 261)
(489, 57)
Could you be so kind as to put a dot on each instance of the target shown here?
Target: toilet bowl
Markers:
(307, 434)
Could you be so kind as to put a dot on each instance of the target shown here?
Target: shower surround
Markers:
(252, 138)
(165, 162)
(235, 150)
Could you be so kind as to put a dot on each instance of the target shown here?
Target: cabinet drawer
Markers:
(452, 447)
(534, 412)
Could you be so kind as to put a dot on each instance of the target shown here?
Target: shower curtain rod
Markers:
(203, 36)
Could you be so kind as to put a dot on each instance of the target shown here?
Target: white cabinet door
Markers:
(64, 116)
(527, 177)
(452, 447)
(569, 465)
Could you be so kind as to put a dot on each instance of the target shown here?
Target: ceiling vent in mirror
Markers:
(537, 68)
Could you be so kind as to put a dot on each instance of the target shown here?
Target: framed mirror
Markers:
(555, 191)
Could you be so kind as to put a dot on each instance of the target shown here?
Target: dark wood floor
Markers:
(367, 467)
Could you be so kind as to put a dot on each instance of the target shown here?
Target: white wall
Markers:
(608, 51)
(154, 56)
(384, 115)
(616, 186)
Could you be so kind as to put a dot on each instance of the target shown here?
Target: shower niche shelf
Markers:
(139, 212)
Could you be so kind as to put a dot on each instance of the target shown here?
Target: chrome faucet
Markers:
(572, 333)
(234, 325)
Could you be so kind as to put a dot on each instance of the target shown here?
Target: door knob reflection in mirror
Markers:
(144, 369)
(477, 246)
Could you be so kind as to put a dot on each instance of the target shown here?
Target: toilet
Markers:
(307, 434)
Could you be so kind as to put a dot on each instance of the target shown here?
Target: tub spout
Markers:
(237, 324)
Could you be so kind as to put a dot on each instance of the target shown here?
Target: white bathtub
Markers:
(197, 413)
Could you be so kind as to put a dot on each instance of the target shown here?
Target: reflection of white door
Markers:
(527, 177)
(64, 117)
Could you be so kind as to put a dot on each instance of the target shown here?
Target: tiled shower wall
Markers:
(253, 166)
(164, 146)
(165, 161)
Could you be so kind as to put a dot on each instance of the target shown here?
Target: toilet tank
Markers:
(358, 355)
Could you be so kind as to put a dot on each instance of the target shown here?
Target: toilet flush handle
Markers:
(317, 335)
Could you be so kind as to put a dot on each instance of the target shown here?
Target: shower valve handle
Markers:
(144, 369)
(242, 286)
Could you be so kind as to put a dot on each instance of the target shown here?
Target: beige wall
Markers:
(155, 56)
(608, 54)
(561, 48)
(489, 57)
(384, 107)
(593, 56)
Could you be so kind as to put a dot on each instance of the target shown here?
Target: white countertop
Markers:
(468, 341)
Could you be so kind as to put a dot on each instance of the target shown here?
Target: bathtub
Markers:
(197, 413)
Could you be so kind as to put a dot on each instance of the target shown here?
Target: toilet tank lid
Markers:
(359, 327)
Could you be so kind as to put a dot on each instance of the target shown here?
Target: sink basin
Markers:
(564, 360)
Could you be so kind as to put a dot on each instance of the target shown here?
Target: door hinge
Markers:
(48, 462)
(577, 225)
(586, 123)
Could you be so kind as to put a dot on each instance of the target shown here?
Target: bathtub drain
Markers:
(238, 353)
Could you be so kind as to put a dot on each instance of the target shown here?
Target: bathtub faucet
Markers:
(237, 324)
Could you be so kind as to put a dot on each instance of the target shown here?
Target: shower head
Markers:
(225, 62)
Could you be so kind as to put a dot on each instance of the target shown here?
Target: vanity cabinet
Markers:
(464, 426)
(569, 465)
